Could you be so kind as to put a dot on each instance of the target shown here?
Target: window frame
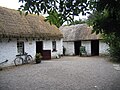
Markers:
(54, 46)
(20, 47)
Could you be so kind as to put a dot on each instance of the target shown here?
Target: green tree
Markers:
(114, 44)
(65, 10)
(54, 18)
(106, 17)
(77, 22)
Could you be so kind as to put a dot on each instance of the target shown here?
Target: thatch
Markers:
(78, 32)
(12, 24)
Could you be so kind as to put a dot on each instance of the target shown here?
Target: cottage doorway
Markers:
(77, 45)
(95, 47)
(39, 46)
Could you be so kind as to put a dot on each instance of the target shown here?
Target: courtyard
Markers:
(66, 73)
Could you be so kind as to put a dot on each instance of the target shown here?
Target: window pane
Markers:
(54, 45)
(20, 47)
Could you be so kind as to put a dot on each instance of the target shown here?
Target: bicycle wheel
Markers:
(18, 61)
(29, 59)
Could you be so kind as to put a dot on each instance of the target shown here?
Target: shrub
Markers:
(38, 57)
(114, 44)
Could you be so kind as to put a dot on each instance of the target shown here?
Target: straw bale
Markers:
(12, 24)
(78, 32)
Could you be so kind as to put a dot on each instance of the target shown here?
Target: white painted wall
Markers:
(47, 45)
(59, 46)
(103, 48)
(30, 47)
(87, 45)
(69, 48)
(8, 50)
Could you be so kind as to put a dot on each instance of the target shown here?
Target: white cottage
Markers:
(31, 34)
(80, 35)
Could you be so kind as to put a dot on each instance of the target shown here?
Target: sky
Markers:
(14, 4)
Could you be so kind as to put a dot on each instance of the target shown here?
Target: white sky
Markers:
(14, 4)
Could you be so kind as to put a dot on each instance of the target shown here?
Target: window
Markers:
(54, 45)
(20, 47)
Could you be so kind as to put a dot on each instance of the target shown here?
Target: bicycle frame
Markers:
(23, 56)
(23, 59)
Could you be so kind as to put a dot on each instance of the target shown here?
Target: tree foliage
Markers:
(80, 21)
(106, 17)
(54, 18)
(114, 46)
(65, 9)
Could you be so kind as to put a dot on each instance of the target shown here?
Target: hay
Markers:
(12, 24)
(78, 32)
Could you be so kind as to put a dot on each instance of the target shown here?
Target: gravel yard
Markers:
(66, 73)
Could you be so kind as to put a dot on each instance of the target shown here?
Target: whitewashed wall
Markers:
(47, 45)
(59, 47)
(30, 47)
(103, 48)
(8, 50)
(87, 45)
(69, 48)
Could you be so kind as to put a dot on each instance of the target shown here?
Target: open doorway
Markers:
(39, 46)
(95, 47)
(77, 45)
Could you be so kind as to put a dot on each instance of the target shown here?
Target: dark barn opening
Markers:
(95, 47)
(39, 47)
(77, 45)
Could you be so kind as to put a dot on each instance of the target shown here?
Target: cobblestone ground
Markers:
(67, 73)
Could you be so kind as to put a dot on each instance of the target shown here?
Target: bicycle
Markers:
(23, 59)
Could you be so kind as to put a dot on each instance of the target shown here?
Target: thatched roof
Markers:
(78, 32)
(12, 24)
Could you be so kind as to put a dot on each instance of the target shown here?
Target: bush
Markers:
(115, 53)
(114, 44)
(38, 57)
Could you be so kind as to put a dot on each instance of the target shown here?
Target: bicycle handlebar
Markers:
(22, 54)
